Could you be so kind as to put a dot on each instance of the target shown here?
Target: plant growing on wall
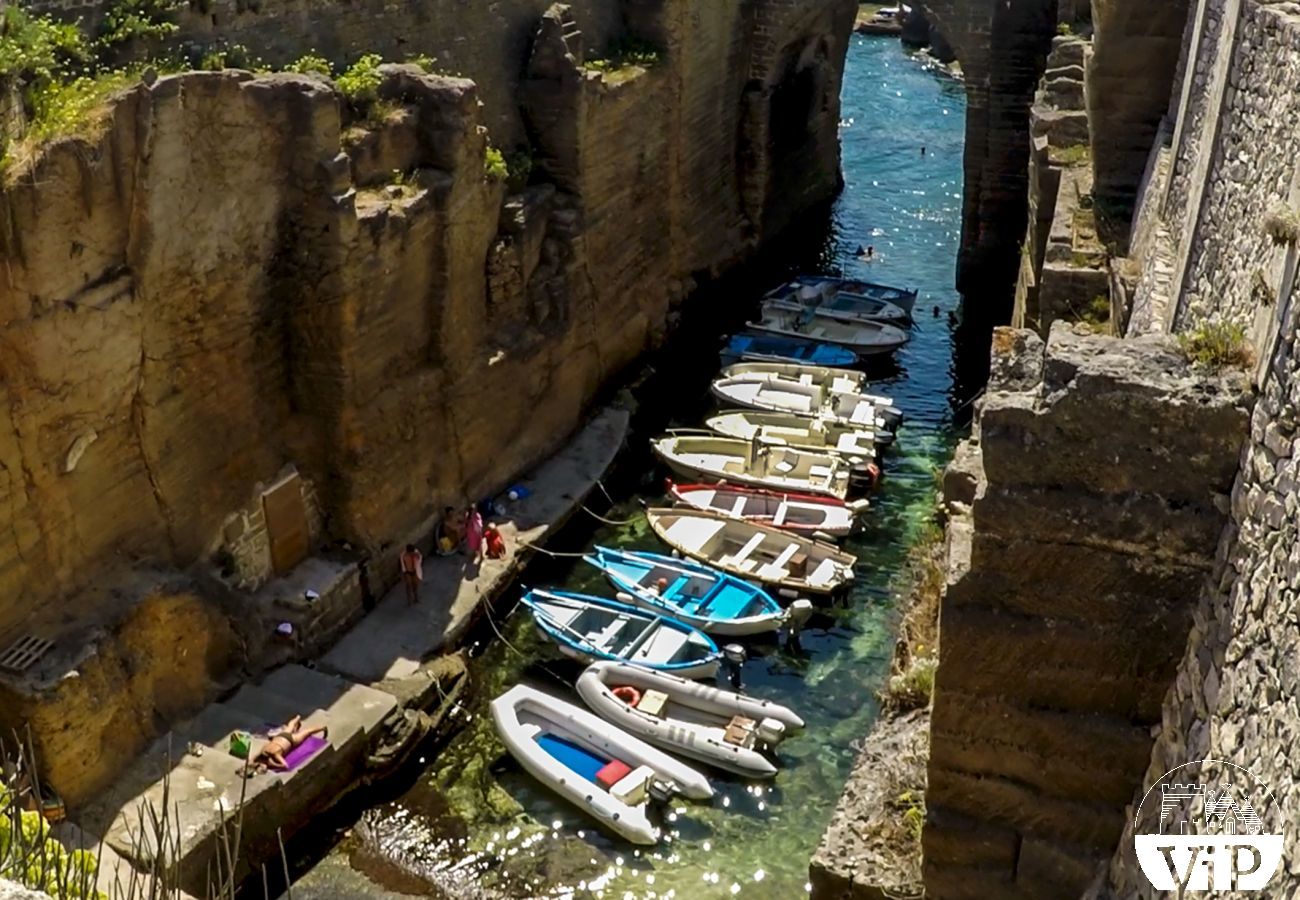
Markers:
(1283, 226)
(128, 20)
(310, 64)
(360, 81)
(1216, 346)
(39, 49)
(494, 165)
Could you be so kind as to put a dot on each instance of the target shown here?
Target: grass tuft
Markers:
(1216, 346)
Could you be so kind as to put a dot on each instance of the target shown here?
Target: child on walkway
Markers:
(412, 563)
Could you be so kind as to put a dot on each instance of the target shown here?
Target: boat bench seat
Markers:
(820, 471)
(664, 646)
(740, 558)
(633, 787)
(824, 574)
(777, 567)
(851, 442)
(611, 631)
(844, 385)
(864, 414)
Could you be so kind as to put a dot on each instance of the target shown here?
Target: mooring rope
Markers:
(618, 523)
(487, 609)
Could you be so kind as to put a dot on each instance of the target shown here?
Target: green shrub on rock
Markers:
(39, 49)
(360, 81)
(1216, 346)
(494, 165)
(128, 20)
(310, 64)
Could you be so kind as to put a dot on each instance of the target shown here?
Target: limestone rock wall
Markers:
(1002, 48)
(232, 276)
(1135, 50)
(1059, 642)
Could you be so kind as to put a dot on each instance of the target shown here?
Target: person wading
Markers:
(412, 573)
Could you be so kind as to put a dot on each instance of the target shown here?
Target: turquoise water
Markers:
(473, 822)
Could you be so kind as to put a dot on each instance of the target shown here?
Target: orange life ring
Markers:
(628, 694)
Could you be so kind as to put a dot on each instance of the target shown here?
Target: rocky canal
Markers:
(472, 823)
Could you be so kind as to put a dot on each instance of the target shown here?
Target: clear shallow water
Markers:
(473, 821)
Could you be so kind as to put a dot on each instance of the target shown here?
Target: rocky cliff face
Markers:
(233, 275)
(1135, 51)
(1097, 471)
(1002, 48)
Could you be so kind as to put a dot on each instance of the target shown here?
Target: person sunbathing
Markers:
(283, 740)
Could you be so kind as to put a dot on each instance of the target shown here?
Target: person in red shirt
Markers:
(494, 544)
(412, 573)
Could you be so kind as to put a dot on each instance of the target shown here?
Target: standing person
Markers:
(474, 533)
(412, 573)
(494, 545)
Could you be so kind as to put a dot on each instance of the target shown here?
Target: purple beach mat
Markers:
(303, 752)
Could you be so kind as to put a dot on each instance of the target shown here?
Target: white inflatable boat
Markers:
(603, 771)
(721, 728)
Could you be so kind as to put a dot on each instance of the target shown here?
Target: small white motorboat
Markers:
(722, 728)
(863, 338)
(589, 628)
(757, 552)
(829, 300)
(801, 513)
(901, 297)
(709, 457)
(831, 379)
(774, 394)
(607, 773)
(856, 445)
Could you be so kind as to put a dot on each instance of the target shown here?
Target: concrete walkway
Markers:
(395, 638)
(356, 692)
(201, 793)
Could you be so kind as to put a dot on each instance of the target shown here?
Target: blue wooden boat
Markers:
(589, 628)
(758, 347)
(689, 591)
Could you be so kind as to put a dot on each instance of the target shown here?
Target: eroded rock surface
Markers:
(1103, 472)
(231, 279)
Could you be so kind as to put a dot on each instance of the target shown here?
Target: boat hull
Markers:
(836, 483)
(773, 348)
(629, 570)
(743, 549)
(523, 713)
(837, 521)
(694, 724)
(577, 642)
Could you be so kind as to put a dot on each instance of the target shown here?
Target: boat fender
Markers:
(628, 694)
(770, 731)
(624, 597)
(858, 505)
(822, 536)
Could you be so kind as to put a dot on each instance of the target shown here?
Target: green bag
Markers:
(241, 742)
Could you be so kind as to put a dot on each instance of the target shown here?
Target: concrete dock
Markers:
(358, 689)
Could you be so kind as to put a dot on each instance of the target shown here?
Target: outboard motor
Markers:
(662, 792)
(734, 656)
(799, 612)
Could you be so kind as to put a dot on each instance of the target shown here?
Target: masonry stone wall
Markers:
(1234, 698)
(1255, 165)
